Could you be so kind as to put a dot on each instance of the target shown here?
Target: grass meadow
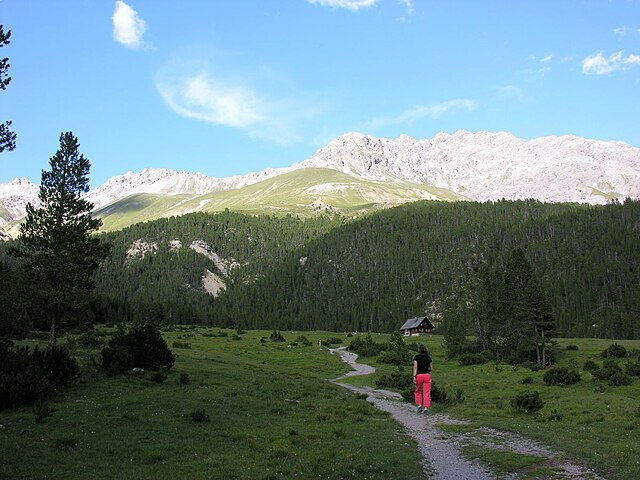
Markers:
(591, 421)
(251, 409)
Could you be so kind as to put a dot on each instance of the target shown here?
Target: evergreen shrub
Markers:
(332, 341)
(467, 359)
(140, 347)
(276, 336)
(398, 379)
(526, 380)
(614, 350)
(633, 368)
(591, 366)
(27, 376)
(185, 379)
(200, 416)
(90, 339)
(572, 347)
(561, 376)
(439, 394)
(396, 351)
(302, 340)
(527, 402)
(365, 347)
(609, 368)
(619, 379)
(160, 376)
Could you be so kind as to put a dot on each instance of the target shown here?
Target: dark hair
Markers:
(422, 348)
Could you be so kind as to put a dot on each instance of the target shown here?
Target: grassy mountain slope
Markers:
(374, 272)
(302, 192)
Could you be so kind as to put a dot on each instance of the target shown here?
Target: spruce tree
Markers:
(59, 252)
(7, 137)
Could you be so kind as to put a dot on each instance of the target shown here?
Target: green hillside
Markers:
(374, 272)
(303, 192)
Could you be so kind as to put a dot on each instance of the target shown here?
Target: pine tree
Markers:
(7, 137)
(55, 240)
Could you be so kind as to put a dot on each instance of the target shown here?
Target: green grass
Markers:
(591, 421)
(272, 414)
(501, 461)
(301, 192)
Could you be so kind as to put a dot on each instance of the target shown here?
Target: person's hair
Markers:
(422, 348)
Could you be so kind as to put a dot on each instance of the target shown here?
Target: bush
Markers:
(398, 379)
(561, 376)
(28, 376)
(276, 336)
(614, 350)
(90, 339)
(526, 380)
(439, 394)
(527, 402)
(185, 379)
(141, 347)
(472, 359)
(591, 366)
(302, 340)
(572, 347)
(160, 376)
(619, 379)
(396, 351)
(43, 409)
(332, 341)
(200, 416)
(609, 369)
(633, 368)
(184, 345)
(365, 347)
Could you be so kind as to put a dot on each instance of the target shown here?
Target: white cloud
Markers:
(353, 5)
(424, 111)
(546, 59)
(599, 64)
(261, 105)
(409, 5)
(621, 31)
(128, 27)
(201, 97)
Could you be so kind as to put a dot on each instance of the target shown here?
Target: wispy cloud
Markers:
(621, 31)
(222, 100)
(414, 114)
(201, 97)
(409, 5)
(353, 5)
(546, 59)
(128, 27)
(599, 64)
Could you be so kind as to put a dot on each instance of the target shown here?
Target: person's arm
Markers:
(415, 370)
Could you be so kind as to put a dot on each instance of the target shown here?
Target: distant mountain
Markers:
(357, 173)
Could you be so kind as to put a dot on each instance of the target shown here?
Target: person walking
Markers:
(422, 365)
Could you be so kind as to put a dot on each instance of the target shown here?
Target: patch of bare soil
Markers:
(442, 450)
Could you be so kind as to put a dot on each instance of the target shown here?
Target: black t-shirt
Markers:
(424, 363)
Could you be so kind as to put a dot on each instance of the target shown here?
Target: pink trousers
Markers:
(423, 390)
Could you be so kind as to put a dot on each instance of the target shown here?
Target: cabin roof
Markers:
(415, 323)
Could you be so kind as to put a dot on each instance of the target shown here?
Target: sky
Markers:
(229, 87)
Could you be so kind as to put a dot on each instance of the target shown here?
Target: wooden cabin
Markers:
(417, 326)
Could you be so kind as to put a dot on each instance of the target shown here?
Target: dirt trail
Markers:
(443, 459)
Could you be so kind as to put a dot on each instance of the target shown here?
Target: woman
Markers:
(422, 365)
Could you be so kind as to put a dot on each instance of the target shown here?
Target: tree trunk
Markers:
(52, 334)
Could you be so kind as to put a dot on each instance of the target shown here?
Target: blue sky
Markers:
(230, 87)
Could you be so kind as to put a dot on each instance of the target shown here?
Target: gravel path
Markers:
(441, 451)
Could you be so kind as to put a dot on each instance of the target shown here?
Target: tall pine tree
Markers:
(55, 240)
(7, 137)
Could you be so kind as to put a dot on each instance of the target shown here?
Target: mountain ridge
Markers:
(480, 166)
